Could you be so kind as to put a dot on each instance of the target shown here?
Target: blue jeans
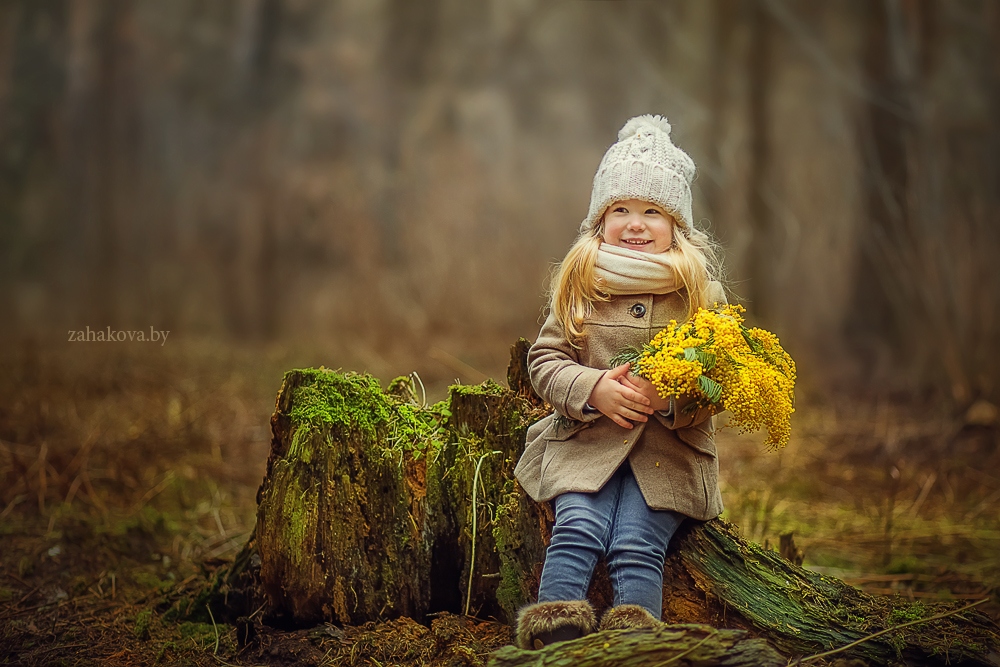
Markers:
(617, 523)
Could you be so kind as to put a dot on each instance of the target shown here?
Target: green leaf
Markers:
(709, 387)
(629, 355)
(754, 344)
(692, 407)
(758, 349)
(706, 359)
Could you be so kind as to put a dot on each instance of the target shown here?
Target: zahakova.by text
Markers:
(109, 335)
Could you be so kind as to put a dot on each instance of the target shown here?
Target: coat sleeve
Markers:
(682, 413)
(558, 376)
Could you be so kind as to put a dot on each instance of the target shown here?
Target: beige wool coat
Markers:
(672, 454)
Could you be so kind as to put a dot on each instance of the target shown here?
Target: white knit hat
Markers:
(646, 165)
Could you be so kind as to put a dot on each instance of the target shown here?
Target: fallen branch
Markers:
(936, 617)
(696, 645)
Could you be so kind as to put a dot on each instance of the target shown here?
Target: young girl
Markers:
(622, 466)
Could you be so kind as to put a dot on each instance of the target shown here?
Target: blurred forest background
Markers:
(389, 181)
(383, 186)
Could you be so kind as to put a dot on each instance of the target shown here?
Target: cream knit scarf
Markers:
(624, 271)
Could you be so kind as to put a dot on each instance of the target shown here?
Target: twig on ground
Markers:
(936, 617)
(214, 627)
(15, 501)
(18, 580)
(259, 609)
(168, 477)
(29, 594)
(227, 546)
(37, 606)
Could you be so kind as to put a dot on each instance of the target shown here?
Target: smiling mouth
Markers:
(636, 242)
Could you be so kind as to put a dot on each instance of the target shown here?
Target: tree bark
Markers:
(696, 645)
(373, 508)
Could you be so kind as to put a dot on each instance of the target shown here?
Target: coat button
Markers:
(637, 310)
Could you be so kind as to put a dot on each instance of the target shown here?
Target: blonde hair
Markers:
(574, 289)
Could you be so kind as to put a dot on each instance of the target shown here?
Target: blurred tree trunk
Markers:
(112, 163)
(887, 136)
(38, 242)
(724, 18)
(925, 245)
(763, 245)
(248, 252)
(992, 20)
(987, 218)
(372, 508)
(409, 43)
(267, 287)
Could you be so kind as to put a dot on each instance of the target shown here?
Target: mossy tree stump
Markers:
(342, 529)
(373, 507)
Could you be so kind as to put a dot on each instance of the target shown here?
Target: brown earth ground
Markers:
(128, 474)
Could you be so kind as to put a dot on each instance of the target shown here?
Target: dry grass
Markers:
(886, 497)
(128, 473)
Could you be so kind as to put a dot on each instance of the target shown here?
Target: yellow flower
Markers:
(718, 360)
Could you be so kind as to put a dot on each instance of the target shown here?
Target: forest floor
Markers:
(128, 476)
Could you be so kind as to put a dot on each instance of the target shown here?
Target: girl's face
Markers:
(638, 225)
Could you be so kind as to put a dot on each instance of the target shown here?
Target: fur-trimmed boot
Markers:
(545, 623)
(627, 617)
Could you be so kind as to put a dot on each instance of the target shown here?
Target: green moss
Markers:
(402, 387)
(356, 403)
(148, 580)
(142, 621)
(415, 430)
(299, 513)
(488, 388)
(202, 635)
(167, 646)
(300, 447)
(914, 612)
(321, 399)
(510, 595)
(969, 647)
(192, 630)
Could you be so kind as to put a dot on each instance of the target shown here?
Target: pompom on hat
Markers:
(643, 164)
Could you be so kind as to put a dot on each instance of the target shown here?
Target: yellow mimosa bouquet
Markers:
(721, 362)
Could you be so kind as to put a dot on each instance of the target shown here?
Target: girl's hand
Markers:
(618, 401)
(643, 386)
